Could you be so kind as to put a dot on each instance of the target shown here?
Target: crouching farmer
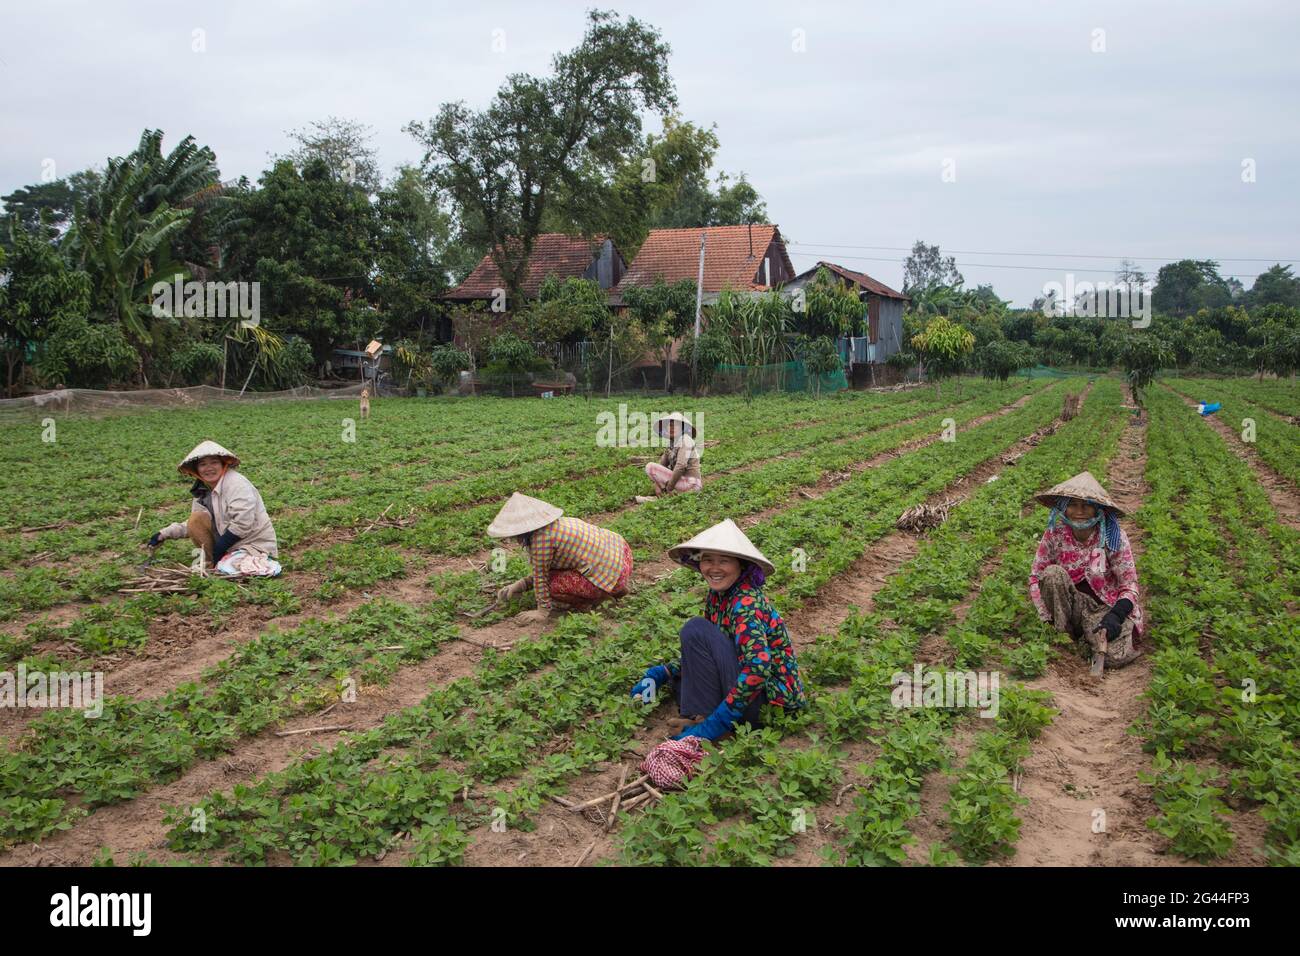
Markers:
(1083, 580)
(573, 563)
(738, 655)
(228, 520)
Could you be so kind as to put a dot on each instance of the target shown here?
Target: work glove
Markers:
(225, 542)
(155, 539)
(714, 726)
(1113, 622)
(653, 679)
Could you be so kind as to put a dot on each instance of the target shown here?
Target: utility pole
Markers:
(699, 301)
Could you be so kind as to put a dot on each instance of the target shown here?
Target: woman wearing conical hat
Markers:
(678, 468)
(737, 655)
(227, 517)
(573, 562)
(1083, 580)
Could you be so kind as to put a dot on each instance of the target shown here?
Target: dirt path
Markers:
(1282, 492)
(1085, 763)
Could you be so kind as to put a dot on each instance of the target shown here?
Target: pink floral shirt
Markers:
(1111, 574)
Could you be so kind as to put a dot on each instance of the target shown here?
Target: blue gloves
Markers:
(654, 678)
(714, 726)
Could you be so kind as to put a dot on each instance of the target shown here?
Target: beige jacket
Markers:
(236, 506)
(683, 458)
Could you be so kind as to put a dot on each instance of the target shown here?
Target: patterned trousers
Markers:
(1078, 614)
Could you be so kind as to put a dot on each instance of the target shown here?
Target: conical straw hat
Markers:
(206, 449)
(520, 515)
(722, 538)
(1082, 485)
(674, 417)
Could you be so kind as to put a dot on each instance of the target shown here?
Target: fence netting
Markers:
(93, 401)
(779, 377)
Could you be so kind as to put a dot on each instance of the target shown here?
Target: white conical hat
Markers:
(520, 515)
(674, 417)
(723, 538)
(206, 449)
(1083, 486)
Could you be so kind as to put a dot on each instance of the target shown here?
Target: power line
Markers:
(1054, 255)
(1000, 265)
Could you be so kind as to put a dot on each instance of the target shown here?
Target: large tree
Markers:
(414, 249)
(666, 313)
(309, 239)
(926, 267)
(38, 292)
(45, 209)
(554, 140)
(1277, 286)
(344, 146)
(1185, 286)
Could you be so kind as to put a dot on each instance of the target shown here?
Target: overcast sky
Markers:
(1079, 157)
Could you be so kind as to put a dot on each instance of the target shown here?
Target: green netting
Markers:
(1043, 371)
(780, 377)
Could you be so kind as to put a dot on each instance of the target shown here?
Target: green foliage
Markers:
(1142, 356)
(821, 357)
(943, 347)
(510, 360)
(999, 359)
(40, 298)
(565, 309)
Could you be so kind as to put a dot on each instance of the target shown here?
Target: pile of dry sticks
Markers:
(163, 579)
(384, 521)
(625, 798)
(923, 517)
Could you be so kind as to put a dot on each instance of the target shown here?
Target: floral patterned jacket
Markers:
(763, 644)
(1111, 574)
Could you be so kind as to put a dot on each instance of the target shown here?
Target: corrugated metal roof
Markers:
(860, 279)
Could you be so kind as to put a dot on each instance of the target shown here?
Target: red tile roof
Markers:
(733, 256)
(554, 253)
(860, 279)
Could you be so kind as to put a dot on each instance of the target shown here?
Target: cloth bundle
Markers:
(673, 762)
(244, 564)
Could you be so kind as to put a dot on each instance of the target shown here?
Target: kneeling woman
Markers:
(1083, 580)
(573, 563)
(738, 655)
(228, 520)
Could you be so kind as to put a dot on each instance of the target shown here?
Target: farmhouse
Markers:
(884, 315)
(554, 253)
(750, 258)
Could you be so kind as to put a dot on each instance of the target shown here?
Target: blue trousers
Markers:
(710, 666)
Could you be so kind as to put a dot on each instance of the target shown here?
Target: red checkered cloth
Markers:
(673, 762)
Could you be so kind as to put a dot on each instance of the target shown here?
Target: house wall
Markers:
(889, 327)
(608, 269)
(779, 273)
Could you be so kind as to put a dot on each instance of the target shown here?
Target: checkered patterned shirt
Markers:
(571, 544)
